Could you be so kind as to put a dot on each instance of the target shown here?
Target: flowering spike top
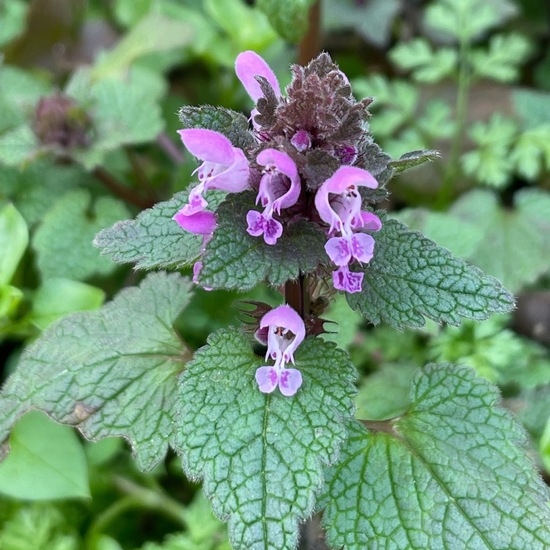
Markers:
(304, 155)
(279, 188)
(285, 332)
(224, 167)
(248, 66)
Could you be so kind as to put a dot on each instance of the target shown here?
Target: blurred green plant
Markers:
(462, 48)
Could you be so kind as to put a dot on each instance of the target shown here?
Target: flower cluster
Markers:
(305, 163)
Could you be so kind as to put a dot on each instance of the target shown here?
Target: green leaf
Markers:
(235, 259)
(154, 33)
(385, 393)
(544, 447)
(451, 472)
(153, 239)
(14, 237)
(465, 20)
(63, 241)
(491, 163)
(58, 297)
(19, 91)
(46, 461)
(342, 329)
(395, 103)
(18, 146)
(119, 116)
(501, 61)
(231, 124)
(533, 107)
(38, 525)
(111, 372)
(10, 298)
(260, 455)
(33, 186)
(531, 153)
(12, 15)
(461, 237)
(129, 12)
(436, 121)
(497, 353)
(373, 20)
(203, 530)
(427, 65)
(515, 247)
(412, 159)
(288, 17)
(411, 277)
(248, 28)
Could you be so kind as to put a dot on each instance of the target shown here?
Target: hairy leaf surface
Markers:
(234, 259)
(153, 239)
(260, 455)
(231, 124)
(110, 372)
(410, 278)
(449, 473)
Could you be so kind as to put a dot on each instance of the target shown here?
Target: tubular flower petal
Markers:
(286, 332)
(338, 202)
(279, 188)
(248, 65)
(200, 223)
(224, 167)
(346, 280)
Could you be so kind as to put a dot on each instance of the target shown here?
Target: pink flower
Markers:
(346, 280)
(224, 167)
(338, 202)
(200, 223)
(248, 66)
(279, 188)
(285, 332)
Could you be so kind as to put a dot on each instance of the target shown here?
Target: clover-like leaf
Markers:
(411, 277)
(63, 241)
(260, 455)
(235, 259)
(231, 124)
(501, 61)
(491, 162)
(448, 473)
(110, 372)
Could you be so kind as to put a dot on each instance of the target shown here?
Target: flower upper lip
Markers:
(248, 66)
(224, 167)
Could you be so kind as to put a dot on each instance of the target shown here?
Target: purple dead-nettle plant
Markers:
(286, 198)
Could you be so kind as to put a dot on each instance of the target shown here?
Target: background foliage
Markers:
(440, 82)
